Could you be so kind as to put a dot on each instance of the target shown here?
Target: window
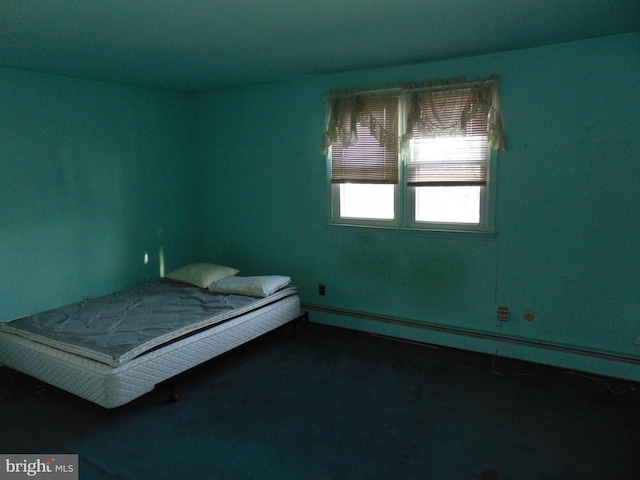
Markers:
(416, 157)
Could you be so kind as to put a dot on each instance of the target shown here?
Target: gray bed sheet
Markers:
(115, 328)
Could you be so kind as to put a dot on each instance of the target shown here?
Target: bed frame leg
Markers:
(294, 324)
(173, 397)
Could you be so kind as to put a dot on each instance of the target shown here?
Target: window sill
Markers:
(430, 232)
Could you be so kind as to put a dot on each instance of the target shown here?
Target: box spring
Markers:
(114, 386)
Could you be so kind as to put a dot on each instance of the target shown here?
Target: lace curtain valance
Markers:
(345, 110)
(435, 108)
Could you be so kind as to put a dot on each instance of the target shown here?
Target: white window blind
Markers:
(449, 139)
(375, 160)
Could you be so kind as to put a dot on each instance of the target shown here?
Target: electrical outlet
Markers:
(503, 314)
(322, 289)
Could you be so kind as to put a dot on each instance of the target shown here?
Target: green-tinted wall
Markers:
(566, 211)
(93, 176)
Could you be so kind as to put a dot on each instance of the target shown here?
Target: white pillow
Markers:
(260, 286)
(201, 274)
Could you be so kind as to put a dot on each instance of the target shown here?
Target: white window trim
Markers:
(487, 206)
(404, 193)
(367, 222)
(404, 205)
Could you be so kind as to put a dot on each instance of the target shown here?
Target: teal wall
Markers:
(93, 176)
(566, 209)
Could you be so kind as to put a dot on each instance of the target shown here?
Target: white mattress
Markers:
(118, 327)
(112, 386)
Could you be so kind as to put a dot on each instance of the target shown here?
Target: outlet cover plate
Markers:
(503, 314)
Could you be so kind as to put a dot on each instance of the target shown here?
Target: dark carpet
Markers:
(338, 404)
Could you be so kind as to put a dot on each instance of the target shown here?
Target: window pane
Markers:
(448, 148)
(448, 160)
(366, 200)
(448, 204)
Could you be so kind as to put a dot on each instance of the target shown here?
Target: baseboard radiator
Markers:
(611, 357)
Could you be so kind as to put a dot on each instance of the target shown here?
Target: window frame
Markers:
(404, 196)
(486, 221)
(362, 221)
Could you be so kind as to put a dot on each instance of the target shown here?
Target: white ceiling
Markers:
(192, 45)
